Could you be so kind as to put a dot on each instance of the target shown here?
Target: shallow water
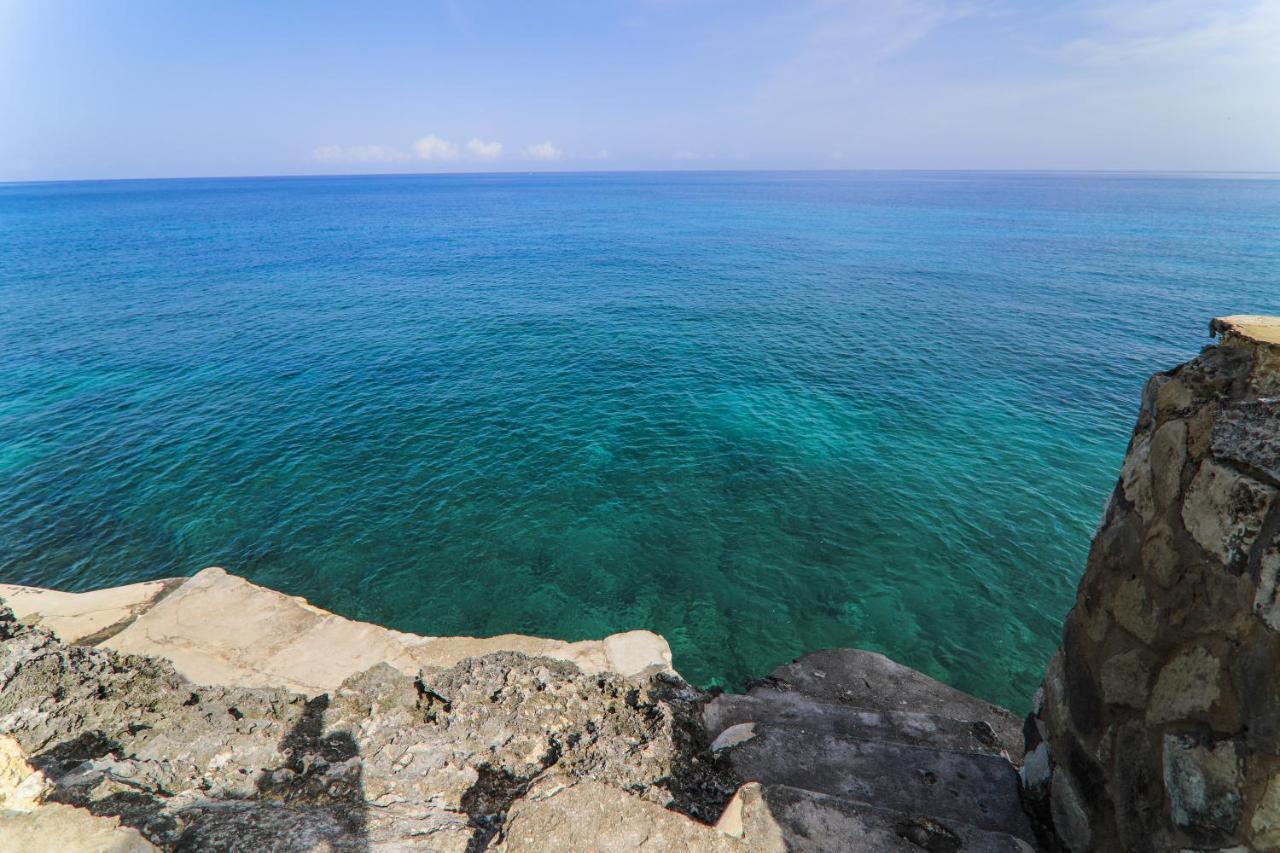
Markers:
(757, 413)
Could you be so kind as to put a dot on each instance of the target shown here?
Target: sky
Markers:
(130, 88)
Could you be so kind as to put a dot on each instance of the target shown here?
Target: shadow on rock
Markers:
(315, 800)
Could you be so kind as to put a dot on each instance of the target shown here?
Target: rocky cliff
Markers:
(1158, 723)
(211, 714)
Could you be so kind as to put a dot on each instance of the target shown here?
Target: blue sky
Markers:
(154, 89)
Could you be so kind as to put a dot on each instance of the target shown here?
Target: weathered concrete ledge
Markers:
(217, 628)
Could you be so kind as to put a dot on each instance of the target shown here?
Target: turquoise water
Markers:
(758, 413)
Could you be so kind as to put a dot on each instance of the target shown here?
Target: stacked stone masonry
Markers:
(1157, 726)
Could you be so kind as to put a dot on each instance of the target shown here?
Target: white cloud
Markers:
(358, 154)
(544, 151)
(684, 155)
(485, 150)
(434, 148)
(1176, 31)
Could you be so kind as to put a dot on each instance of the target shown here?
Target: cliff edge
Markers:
(208, 713)
(213, 714)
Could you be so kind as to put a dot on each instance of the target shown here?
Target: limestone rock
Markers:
(55, 828)
(219, 629)
(28, 824)
(22, 787)
(387, 760)
(1186, 688)
(592, 816)
(1224, 512)
(84, 617)
(1202, 782)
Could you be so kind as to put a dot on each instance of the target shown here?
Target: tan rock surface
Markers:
(1254, 327)
(30, 825)
(596, 817)
(219, 629)
(77, 616)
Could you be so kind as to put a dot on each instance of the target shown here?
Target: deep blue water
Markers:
(758, 413)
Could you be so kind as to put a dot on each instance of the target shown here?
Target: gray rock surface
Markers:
(853, 678)
(857, 753)
(499, 751)
(387, 761)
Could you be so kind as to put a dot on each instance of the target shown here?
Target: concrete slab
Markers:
(83, 617)
(1254, 327)
(220, 629)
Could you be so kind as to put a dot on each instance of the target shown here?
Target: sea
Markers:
(758, 413)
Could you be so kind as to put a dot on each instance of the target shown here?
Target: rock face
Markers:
(28, 823)
(211, 714)
(433, 761)
(857, 753)
(1158, 723)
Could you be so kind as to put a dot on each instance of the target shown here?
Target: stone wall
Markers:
(1157, 726)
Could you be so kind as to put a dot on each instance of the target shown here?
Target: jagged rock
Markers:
(28, 824)
(388, 760)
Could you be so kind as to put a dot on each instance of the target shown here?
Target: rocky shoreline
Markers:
(213, 714)
(208, 713)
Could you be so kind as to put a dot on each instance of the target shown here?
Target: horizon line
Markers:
(1207, 173)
